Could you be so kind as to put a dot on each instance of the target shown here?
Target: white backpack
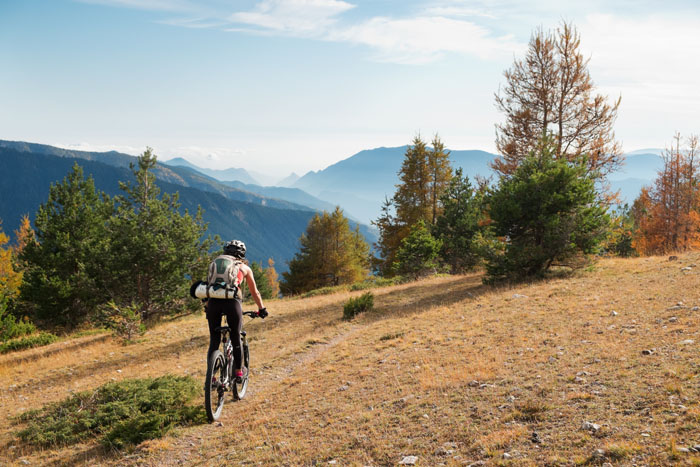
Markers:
(225, 272)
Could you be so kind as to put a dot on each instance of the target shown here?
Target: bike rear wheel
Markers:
(240, 389)
(214, 389)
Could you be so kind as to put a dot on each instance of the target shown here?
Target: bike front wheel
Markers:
(214, 386)
(240, 388)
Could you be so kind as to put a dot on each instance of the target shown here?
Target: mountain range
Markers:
(270, 226)
(272, 217)
(361, 182)
(224, 175)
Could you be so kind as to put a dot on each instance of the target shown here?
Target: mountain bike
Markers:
(220, 373)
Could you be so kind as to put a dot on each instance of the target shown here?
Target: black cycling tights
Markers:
(234, 316)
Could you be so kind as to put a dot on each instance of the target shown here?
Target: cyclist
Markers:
(234, 251)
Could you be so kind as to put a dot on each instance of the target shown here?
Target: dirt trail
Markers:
(185, 447)
(285, 350)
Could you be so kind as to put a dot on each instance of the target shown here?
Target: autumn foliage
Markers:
(550, 93)
(424, 176)
(331, 254)
(667, 214)
(10, 278)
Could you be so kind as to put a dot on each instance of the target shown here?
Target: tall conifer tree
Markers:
(424, 176)
(440, 174)
(153, 245)
(64, 265)
(550, 93)
(331, 254)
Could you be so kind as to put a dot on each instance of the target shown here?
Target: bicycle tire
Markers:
(240, 389)
(214, 386)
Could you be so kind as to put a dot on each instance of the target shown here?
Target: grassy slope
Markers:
(441, 361)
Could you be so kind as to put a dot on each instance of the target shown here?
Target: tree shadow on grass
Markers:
(407, 299)
(145, 356)
(37, 353)
(417, 301)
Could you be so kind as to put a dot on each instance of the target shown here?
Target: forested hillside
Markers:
(269, 231)
(184, 176)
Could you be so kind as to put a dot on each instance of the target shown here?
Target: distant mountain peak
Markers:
(289, 180)
(224, 175)
(179, 162)
(656, 151)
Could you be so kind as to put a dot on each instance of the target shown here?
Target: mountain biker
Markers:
(215, 308)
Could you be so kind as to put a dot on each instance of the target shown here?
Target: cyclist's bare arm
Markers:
(250, 280)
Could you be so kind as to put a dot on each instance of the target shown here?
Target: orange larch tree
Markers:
(550, 93)
(668, 213)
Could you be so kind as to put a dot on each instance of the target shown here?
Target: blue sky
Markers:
(282, 85)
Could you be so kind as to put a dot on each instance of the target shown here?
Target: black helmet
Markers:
(235, 248)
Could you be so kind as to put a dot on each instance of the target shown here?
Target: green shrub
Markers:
(124, 321)
(419, 253)
(122, 413)
(354, 306)
(27, 342)
(392, 335)
(377, 282)
(11, 327)
(324, 291)
(546, 213)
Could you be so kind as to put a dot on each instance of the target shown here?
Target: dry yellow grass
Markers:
(444, 369)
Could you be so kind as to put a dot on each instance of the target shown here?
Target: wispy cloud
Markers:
(652, 57)
(194, 23)
(417, 39)
(437, 29)
(462, 8)
(425, 39)
(84, 146)
(295, 17)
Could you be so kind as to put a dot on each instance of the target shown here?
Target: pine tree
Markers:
(620, 240)
(64, 276)
(440, 176)
(546, 213)
(331, 254)
(153, 246)
(418, 254)
(391, 232)
(412, 197)
(550, 92)
(261, 282)
(24, 234)
(424, 176)
(462, 218)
